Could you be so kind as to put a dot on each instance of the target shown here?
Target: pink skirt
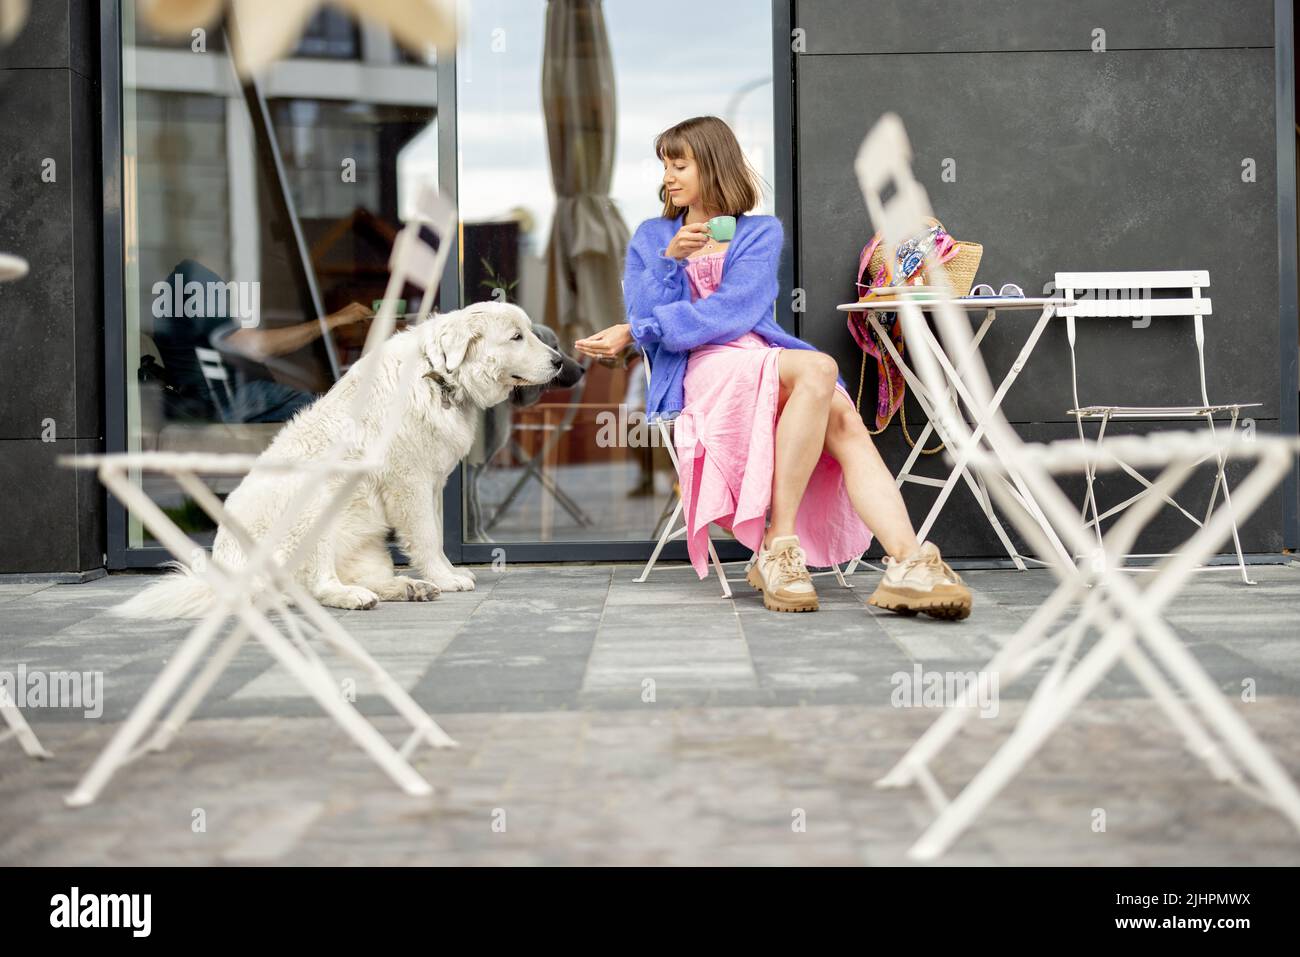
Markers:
(725, 439)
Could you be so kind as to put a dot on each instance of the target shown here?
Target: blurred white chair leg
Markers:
(20, 729)
(1142, 609)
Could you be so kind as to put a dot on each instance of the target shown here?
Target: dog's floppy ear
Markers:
(452, 336)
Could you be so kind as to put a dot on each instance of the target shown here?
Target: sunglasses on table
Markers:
(985, 291)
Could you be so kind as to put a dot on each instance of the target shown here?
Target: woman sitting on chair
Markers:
(762, 418)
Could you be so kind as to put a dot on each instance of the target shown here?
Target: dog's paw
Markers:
(418, 589)
(349, 596)
(454, 580)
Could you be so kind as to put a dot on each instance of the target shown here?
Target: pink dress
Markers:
(725, 439)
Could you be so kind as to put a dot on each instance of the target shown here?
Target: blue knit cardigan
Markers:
(667, 325)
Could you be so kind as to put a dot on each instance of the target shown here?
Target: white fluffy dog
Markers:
(469, 360)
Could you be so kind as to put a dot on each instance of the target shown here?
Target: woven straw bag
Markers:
(961, 268)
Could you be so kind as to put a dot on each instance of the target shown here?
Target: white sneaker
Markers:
(781, 575)
(922, 583)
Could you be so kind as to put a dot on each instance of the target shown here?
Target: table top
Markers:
(965, 302)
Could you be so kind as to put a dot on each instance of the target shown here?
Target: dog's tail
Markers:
(181, 594)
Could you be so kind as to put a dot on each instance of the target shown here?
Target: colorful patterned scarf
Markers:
(905, 271)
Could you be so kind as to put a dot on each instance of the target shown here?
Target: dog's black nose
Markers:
(557, 363)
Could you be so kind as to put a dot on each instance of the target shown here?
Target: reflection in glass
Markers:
(258, 222)
(558, 105)
(280, 202)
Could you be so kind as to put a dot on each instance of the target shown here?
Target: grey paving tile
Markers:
(9, 591)
(625, 664)
(670, 622)
(755, 716)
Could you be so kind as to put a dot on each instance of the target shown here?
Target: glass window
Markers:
(622, 72)
(256, 219)
(330, 33)
(284, 196)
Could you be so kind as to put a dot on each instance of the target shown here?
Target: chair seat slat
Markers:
(1168, 411)
(1159, 279)
(1135, 308)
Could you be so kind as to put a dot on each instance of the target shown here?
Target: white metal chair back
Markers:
(1129, 295)
(217, 377)
(1132, 295)
(899, 207)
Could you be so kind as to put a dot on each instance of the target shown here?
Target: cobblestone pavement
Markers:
(760, 745)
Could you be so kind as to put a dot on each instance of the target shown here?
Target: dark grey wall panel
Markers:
(51, 322)
(53, 517)
(60, 34)
(1069, 160)
(930, 26)
(36, 331)
(1066, 161)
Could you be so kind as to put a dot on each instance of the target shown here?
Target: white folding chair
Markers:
(217, 378)
(670, 529)
(1126, 619)
(1129, 295)
(535, 463)
(248, 595)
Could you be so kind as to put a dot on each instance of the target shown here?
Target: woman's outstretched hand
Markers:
(606, 344)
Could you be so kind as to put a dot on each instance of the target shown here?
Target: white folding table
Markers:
(990, 305)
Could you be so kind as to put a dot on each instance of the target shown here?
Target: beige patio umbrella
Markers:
(588, 236)
(13, 14)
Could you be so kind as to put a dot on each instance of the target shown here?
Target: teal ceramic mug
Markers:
(722, 228)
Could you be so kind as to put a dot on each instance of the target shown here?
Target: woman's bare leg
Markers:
(867, 479)
(807, 384)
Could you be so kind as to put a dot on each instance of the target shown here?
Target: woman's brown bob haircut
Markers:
(727, 182)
